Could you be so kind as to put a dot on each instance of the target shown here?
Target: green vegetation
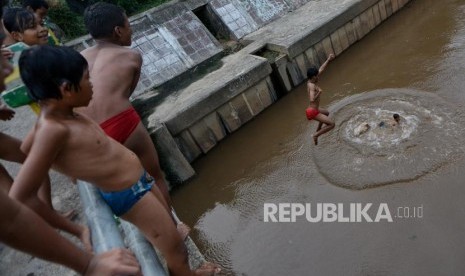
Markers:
(72, 23)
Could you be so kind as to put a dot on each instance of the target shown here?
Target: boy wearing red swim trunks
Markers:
(115, 70)
(313, 111)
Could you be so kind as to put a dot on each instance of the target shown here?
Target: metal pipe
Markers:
(104, 230)
(106, 235)
(148, 259)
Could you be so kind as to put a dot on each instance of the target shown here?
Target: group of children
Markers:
(84, 100)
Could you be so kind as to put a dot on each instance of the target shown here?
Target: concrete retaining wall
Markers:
(334, 36)
(171, 39)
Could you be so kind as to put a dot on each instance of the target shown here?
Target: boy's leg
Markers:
(320, 124)
(141, 144)
(325, 120)
(155, 223)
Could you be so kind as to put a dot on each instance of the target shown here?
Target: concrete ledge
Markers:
(176, 167)
(298, 31)
(186, 106)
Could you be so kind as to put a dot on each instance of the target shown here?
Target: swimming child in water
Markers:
(393, 122)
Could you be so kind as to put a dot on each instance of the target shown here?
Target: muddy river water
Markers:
(413, 65)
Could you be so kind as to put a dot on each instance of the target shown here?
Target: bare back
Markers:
(114, 72)
(85, 152)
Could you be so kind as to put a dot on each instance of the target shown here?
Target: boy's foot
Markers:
(183, 230)
(85, 238)
(315, 140)
(208, 269)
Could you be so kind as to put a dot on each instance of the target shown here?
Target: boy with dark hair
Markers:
(23, 26)
(71, 143)
(314, 112)
(115, 71)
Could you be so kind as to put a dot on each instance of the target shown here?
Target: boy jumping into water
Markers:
(313, 111)
(71, 143)
(115, 70)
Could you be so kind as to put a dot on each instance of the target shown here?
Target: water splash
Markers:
(427, 137)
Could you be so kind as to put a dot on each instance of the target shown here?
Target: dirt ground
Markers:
(64, 197)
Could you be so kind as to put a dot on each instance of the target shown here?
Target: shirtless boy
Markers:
(314, 112)
(71, 143)
(115, 70)
(22, 229)
(24, 26)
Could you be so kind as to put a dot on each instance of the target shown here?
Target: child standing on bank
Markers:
(115, 71)
(314, 112)
(71, 143)
(24, 26)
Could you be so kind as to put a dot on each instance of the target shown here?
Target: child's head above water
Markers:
(396, 117)
(45, 68)
(24, 26)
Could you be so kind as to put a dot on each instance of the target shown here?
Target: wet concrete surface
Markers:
(272, 160)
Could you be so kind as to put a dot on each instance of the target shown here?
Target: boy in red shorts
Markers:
(313, 111)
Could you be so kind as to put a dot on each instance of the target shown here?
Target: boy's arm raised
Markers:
(323, 66)
(43, 149)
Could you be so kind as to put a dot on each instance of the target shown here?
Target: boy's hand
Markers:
(6, 53)
(6, 114)
(114, 262)
(331, 57)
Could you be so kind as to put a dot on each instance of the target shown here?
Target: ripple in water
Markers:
(360, 153)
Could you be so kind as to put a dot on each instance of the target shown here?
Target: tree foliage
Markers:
(67, 14)
(70, 22)
(79, 6)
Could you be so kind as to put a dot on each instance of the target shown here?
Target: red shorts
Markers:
(311, 113)
(121, 126)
